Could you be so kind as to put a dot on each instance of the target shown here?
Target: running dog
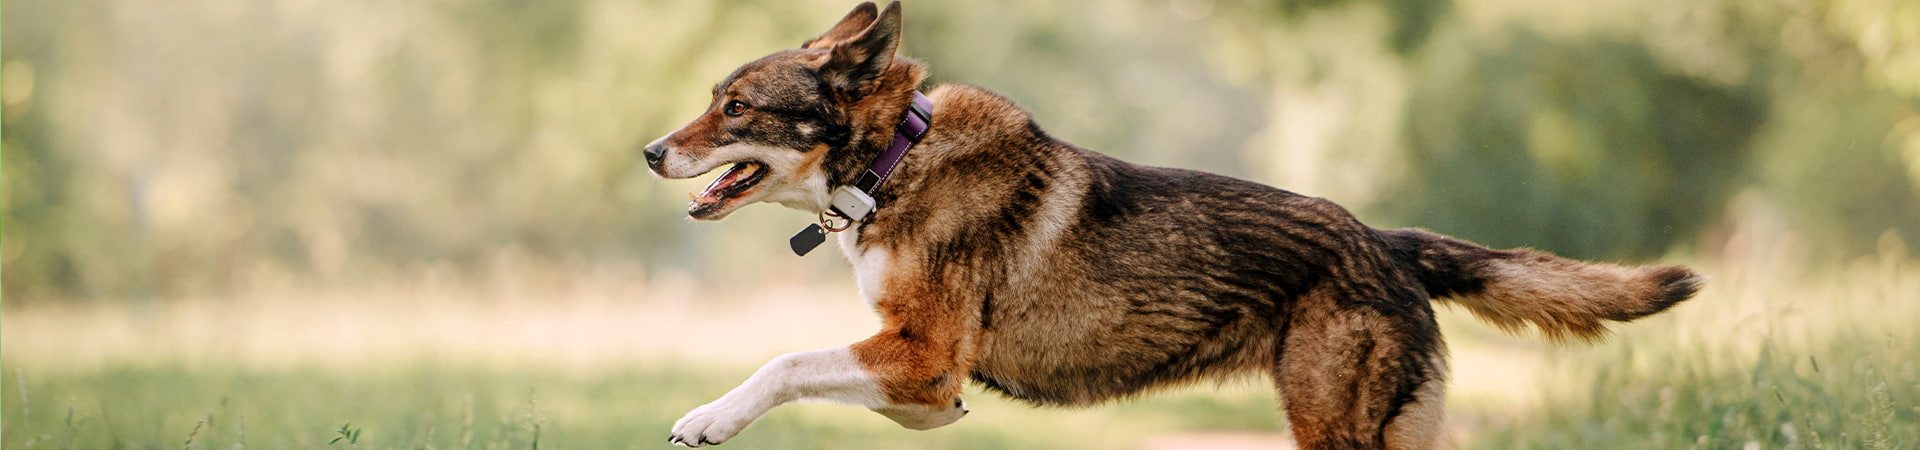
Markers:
(1059, 276)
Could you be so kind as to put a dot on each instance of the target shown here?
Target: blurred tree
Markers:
(39, 226)
(1413, 20)
(1617, 135)
(191, 146)
(1589, 149)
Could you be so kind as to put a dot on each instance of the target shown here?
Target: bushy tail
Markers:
(1562, 297)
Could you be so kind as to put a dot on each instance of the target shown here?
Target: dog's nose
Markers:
(656, 151)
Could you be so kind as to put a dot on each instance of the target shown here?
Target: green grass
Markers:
(493, 407)
(1759, 361)
(1855, 392)
(1823, 361)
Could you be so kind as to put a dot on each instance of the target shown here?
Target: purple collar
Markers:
(912, 128)
(854, 202)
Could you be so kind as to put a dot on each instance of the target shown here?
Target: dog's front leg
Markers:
(919, 373)
(834, 374)
(828, 374)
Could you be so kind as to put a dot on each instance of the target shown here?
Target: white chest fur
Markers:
(870, 267)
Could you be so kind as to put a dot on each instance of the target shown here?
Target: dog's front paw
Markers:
(713, 423)
(925, 417)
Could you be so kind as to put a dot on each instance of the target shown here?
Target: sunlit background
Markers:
(271, 223)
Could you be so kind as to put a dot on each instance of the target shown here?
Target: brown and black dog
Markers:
(1059, 276)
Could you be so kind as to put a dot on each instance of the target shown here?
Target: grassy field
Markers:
(474, 407)
(1761, 360)
(1824, 362)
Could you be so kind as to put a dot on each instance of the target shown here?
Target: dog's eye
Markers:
(735, 107)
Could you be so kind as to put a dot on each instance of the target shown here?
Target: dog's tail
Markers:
(1562, 297)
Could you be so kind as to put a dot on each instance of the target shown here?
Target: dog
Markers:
(1059, 276)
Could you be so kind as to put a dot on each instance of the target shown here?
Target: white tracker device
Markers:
(852, 203)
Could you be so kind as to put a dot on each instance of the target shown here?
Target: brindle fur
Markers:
(1059, 276)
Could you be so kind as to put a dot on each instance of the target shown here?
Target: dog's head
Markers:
(794, 124)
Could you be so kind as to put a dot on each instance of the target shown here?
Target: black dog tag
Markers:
(807, 239)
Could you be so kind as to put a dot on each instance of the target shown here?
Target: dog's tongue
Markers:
(722, 187)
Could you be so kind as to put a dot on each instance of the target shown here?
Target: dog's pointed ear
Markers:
(857, 20)
(855, 62)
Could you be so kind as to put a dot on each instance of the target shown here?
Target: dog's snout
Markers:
(656, 151)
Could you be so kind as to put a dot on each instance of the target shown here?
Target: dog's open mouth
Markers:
(732, 184)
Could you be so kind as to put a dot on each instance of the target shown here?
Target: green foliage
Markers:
(212, 146)
(1413, 20)
(1589, 149)
(348, 433)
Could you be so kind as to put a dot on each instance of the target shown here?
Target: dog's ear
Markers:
(856, 61)
(857, 20)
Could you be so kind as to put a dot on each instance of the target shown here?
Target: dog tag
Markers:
(807, 239)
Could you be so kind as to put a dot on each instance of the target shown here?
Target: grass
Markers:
(1761, 360)
(491, 408)
(1828, 361)
(1855, 392)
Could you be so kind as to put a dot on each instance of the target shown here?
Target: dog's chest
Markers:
(871, 266)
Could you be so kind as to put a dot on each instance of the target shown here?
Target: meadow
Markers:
(396, 225)
(1759, 360)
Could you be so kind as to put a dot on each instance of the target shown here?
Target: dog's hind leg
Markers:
(1421, 422)
(1357, 375)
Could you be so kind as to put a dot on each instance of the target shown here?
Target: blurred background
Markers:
(244, 223)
